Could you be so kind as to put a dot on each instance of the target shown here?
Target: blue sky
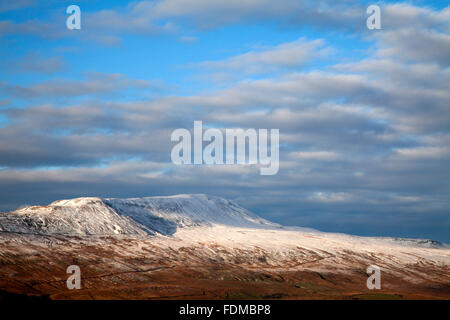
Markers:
(363, 114)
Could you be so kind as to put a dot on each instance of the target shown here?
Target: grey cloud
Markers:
(417, 45)
(165, 16)
(15, 5)
(35, 63)
(205, 14)
(96, 83)
(405, 15)
(35, 27)
(150, 18)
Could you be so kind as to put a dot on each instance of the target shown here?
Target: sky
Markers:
(363, 114)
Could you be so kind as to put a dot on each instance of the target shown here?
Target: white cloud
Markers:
(285, 56)
(316, 155)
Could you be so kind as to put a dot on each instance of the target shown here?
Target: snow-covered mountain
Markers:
(162, 215)
(136, 216)
(186, 245)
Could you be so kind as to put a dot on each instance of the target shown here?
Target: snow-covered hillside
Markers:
(137, 216)
(166, 214)
(82, 216)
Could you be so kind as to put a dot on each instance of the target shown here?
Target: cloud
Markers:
(285, 56)
(130, 19)
(417, 45)
(6, 6)
(423, 153)
(36, 63)
(188, 39)
(404, 15)
(95, 83)
(204, 14)
(316, 155)
(34, 27)
(182, 17)
(150, 18)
